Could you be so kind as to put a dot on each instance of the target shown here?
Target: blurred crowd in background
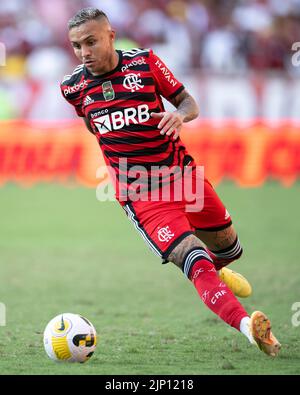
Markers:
(233, 55)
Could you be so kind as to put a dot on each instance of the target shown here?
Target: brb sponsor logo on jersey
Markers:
(75, 88)
(118, 119)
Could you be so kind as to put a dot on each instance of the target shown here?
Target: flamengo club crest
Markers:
(133, 82)
(164, 234)
(108, 91)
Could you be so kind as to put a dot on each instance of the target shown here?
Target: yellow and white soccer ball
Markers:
(70, 337)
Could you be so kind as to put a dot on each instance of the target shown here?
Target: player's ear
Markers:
(112, 35)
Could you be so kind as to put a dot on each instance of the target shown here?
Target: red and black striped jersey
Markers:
(117, 106)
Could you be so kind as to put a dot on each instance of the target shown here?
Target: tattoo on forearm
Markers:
(186, 105)
(185, 109)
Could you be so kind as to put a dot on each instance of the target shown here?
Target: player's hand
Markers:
(171, 122)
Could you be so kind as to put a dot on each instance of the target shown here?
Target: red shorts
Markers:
(164, 224)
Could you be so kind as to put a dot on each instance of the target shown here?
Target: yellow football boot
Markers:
(236, 282)
(260, 328)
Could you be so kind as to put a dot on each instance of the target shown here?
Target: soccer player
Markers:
(118, 94)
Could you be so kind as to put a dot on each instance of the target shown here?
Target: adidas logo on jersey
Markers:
(118, 119)
(88, 100)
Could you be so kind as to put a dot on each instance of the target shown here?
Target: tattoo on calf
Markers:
(182, 248)
(218, 240)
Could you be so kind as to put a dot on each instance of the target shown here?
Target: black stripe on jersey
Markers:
(138, 67)
(73, 96)
(141, 152)
(150, 181)
(179, 90)
(129, 129)
(149, 184)
(147, 165)
(181, 148)
(132, 129)
(139, 128)
(147, 81)
(129, 140)
(138, 96)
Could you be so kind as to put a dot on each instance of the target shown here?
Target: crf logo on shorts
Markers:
(165, 234)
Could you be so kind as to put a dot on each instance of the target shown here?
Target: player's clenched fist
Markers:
(171, 122)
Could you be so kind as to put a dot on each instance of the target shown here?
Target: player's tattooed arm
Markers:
(186, 106)
(171, 122)
(87, 124)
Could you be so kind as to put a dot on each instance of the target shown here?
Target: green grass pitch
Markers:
(64, 251)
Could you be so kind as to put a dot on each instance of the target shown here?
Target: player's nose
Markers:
(85, 52)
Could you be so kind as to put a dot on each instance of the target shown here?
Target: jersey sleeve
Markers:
(168, 85)
(79, 111)
(75, 102)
